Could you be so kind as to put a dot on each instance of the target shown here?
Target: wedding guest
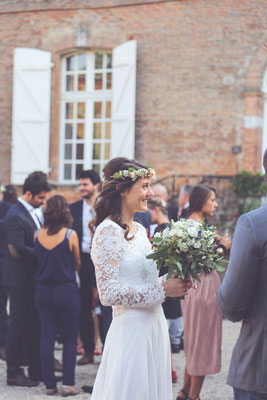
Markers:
(10, 194)
(136, 358)
(20, 266)
(82, 213)
(4, 207)
(171, 307)
(243, 297)
(57, 295)
(184, 195)
(161, 191)
(202, 316)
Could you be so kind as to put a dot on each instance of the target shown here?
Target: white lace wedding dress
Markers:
(136, 362)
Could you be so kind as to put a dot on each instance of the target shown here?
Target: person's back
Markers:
(243, 296)
(57, 296)
(55, 258)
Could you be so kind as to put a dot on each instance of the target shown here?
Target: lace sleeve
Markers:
(106, 254)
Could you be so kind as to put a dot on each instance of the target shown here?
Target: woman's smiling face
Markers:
(135, 199)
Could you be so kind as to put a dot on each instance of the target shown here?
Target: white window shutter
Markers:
(31, 113)
(123, 100)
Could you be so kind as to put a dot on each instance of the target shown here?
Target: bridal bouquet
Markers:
(187, 248)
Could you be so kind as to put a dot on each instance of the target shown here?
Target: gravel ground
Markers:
(214, 387)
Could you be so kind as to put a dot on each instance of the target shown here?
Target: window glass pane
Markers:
(107, 151)
(96, 151)
(109, 60)
(96, 167)
(70, 63)
(68, 131)
(98, 81)
(81, 82)
(97, 109)
(81, 110)
(109, 80)
(80, 131)
(70, 83)
(67, 171)
(107, 130)
(81, 62)
(108, 109)
(79, 151)
(78, 170)
(69, 110)
(98, 60)
(97, 130)
(68, 151)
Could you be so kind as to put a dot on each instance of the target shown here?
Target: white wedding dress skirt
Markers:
(136, 359)
(136, 363)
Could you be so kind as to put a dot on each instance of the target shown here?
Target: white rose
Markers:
(165, 233)
(192, 232)
(173, 232)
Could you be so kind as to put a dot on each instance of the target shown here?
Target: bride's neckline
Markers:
(135, 224)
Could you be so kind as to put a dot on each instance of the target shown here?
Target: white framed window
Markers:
(85, 113)
(97, 120)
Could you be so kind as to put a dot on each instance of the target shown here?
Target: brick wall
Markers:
(37, 5)
(199, 74)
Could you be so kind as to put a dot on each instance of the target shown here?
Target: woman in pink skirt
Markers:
(201, 313)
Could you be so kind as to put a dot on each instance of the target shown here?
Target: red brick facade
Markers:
(200, 65)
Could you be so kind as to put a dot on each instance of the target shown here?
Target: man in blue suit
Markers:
(20, 265)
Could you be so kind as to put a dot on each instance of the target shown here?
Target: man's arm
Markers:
(15, 233)
(242, 274)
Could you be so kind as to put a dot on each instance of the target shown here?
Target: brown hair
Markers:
(108, 203)
(57, 215)
(154, 202)
(198, 197)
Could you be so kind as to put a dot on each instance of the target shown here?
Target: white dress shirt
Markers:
(88, 215)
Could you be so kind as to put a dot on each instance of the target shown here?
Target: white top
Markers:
(88, 215)
(125, 278)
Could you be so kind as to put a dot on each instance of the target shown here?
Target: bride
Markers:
(136, 360)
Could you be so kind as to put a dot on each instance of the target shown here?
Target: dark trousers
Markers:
(3, 313)
(58, 304)
(244, 395)
(23, 325)
(87, 283)
(104, 322)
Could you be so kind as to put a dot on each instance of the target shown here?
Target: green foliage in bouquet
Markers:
(187, 248)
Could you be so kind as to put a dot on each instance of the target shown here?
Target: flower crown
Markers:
(135, 173)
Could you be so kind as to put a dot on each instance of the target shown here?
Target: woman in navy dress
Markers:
(57, 294)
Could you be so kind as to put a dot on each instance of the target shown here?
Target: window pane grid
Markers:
(86, 135)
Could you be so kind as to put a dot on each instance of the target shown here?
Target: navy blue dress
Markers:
(58, 303)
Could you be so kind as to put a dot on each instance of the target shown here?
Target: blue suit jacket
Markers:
(21, 264)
